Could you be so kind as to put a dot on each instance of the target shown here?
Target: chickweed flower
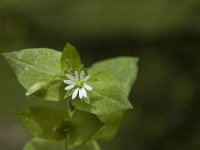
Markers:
(78, 82)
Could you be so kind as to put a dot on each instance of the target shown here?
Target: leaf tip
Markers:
(69, 45)
(129, 106)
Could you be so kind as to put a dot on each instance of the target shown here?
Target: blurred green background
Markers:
(165, 34)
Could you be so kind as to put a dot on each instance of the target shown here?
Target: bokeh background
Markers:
(165, 34)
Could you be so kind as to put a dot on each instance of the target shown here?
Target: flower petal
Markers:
(69, 87)
(84, 92)
(87, 87)
(69, 76)
(75, 93)
(76, 74)
(80, 94)
(68, 82)
(82, 74)
(86, 78)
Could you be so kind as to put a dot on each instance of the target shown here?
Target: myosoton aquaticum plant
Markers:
(94, 98)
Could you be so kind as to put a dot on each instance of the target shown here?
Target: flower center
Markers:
(79, 83)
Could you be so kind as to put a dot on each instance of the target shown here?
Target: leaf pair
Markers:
(56, 125)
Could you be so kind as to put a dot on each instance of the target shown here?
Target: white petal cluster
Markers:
(78, 83)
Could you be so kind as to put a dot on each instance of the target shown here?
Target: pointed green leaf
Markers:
(106, 97)
(91, 145)
(52, 89)
(36, 89)
(34, 67)
(112, 123)
(123, 68)
(42, 122)
(70, 59)
(84, 126)
(41, 144)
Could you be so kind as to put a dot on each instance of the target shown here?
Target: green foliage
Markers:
(38, 71)
(90, 145)
(70, 59)
(106, 97)
(34, 65)
(41, 144)
(42, 121)
(111, 126)
(98, 116)
(123, 68)
(84, 126)
(56, 125)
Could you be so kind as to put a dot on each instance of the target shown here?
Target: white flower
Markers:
(78, 82)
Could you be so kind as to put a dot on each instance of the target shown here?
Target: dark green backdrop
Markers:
(165, 34)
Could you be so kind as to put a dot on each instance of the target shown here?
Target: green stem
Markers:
(67, 143)
(69, 108)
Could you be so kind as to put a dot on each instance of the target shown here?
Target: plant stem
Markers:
(69, 110)
(67, 143)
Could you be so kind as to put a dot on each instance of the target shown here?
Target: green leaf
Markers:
(51, 124)
(52, 89)
(106, 97)
(70, 59)
(37, 89)
(123, 68)
(36, 67)
(84, 126)
(42, 122)
(41, 144)
(91, 145)
(112, 123)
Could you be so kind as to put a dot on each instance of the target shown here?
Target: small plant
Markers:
(95, 98)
